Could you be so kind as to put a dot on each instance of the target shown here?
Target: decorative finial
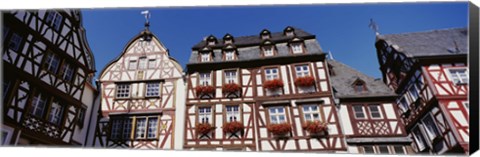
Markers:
(374, 26)
(146, 13)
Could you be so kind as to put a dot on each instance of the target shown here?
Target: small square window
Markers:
(153, 89)
(375, 111)
(459, 76)
(277, 115)
(229, 55)
(271, 73)
(15, 42)
(151, 63)
(231, 76)
(142, 63)
(232, 113)
(132, 65)
(359, 112)
(123, 90)
(297, 48)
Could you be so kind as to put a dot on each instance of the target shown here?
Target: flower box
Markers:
(201, 90)
(273, 84)
(204, 128)
(305, 81)
(233, 127)
(279, 129)
(315, 127)
(231, 88)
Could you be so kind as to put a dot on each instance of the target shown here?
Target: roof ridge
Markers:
(347, 66)
(426, 31)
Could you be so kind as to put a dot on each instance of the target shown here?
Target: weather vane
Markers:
(374, 26)
(146, 13)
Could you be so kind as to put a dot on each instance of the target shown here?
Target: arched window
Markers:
(359, 86)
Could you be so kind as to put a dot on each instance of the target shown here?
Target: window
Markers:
(67, 72)
(359, 87)
(419, 140)
(123, 90)
(116, 129)
(413, 92)
(152, 127)
(271, 73)
(459, 76)
(430, 127)
(403, 104)
(5, 31)
(229, 55)
(81, 117)
(205, 57)
(399, 149)
(368, 150)
(311, 112)
(231, 76)
(140, 130)
(153, 89)
(277, 115)
(205, 79)
(132, 65)
(233, 113)
(56, 113)
(140, 75)
(54, 19)
(142, 63)
(4, 137)
(297, 48)
(204, 114)
(127, 128)
(375, 111)
(52, 63)
(151, 63)
(302, 70)
(6, 87)
(383, 149)
(15, 42)
(358, 111)
(38, 105)
(268, 51)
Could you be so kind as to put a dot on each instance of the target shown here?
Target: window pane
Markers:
(368, 149)
(383, 149)
(116, 126)
(141, 128)
(153, 89)
(358, 110)
(399, 150)
(127, 128)
(152, 127)
(56, 113)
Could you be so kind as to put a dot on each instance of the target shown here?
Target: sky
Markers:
(341, 29)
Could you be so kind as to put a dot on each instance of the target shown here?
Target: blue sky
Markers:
(342, 29)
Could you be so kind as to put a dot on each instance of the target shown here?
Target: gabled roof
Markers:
(344, 78)
(452, 41)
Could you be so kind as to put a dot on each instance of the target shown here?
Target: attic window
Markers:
(228, 39)
(289, 31)
(359, 86)
(265, 34)
(211, 40)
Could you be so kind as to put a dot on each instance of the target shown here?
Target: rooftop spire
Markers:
(373, 26)
(146, 13)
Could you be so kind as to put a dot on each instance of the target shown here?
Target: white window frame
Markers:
(205, 114)
(54, 19)
(205, 57)
(229, 55)
(67, 72)
(152, 89)
(458, 78)
(55, 114)
(310, 110)
(431, 134)
(152, 63)
(140, 128)
(297, 48)
(132, 65)
(268, 51)
(53, 61)
(15, 41)
(379, 111)
(39, 104)
(232, 113)
(355, 112)
(122, 91)
(152, 129)
(271, 74)
(277, 114)
(302, 70)
(142, 63)
(230, 76)
(205, 78)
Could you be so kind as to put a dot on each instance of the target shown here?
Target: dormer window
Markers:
(211, 40)
(268, 48)
(297, 48)
(228, 39)
(265, 34)
(359, 86)
(229, 52)
(205, 57)
(289, 31)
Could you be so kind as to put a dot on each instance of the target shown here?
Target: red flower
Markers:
(315, 126)
(305, 81)
(279, 129)
(204, 89)
(272, 84)
(204, 128)
(232, 127)
(231, 88)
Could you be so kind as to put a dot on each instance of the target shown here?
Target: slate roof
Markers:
(248, 47)
(453, 41)
(344, 77)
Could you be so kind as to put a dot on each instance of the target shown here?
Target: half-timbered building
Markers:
(265, 92)
(142, 92)
(430, 73)
(368, 112)
(48, 96)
